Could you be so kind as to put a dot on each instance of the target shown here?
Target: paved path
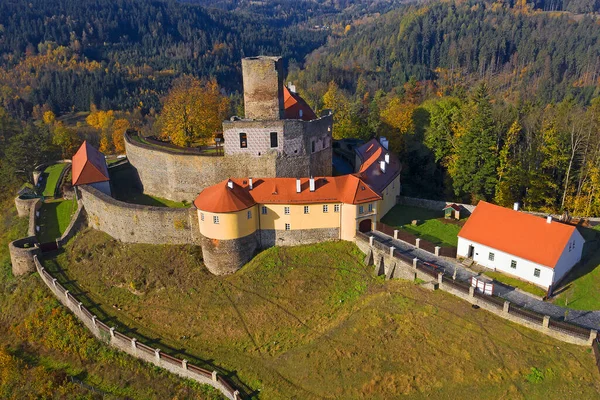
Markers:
(587, 319)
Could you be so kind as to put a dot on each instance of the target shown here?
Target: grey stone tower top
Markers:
(263, 87)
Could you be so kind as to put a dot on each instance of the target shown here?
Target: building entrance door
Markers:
(471, 251)
(365, 225)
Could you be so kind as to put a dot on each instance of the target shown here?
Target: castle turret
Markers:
(263, 87)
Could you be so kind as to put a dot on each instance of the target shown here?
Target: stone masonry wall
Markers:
(136, 223)
(263, 87)
(431, 204)
(297, 237)
(223, 257)
(24, 206)
(22, 252)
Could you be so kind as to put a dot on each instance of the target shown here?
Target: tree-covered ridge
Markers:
(118, 54)
(523, 53)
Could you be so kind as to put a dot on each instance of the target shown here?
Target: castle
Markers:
(273, 186)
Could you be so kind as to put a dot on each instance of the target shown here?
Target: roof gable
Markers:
(89, 166)
(293, 104)
(520, 234)
(372, 154)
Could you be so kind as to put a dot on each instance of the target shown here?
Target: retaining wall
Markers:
(130, 345)
(78, 220)
(23, 206)
(135, 223)
(387, 262)
(437, 205)
(37, 204)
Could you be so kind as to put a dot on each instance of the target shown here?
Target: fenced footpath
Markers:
(130, 345)
(413, 240)
(393, 264)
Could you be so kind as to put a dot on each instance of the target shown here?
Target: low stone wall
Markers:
(22, 252)
(387, 262)
(24, 206)
(222, 257)
(297, 237)
(437, 205)
(37, 204)
(134, 223)
(77, 222)
(130, 345)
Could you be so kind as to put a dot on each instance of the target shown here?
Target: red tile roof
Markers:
(371, 155)
(89, 166)
(293, 104)
(517, 233)
(220, 198)
(452, 206)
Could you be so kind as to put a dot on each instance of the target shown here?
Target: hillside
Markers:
(312, 322)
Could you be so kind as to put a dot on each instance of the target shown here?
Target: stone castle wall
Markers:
(21, 253)
(134, 223)
(222, 257)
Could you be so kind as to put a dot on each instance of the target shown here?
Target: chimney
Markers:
(382, 166)
(263, 87)
(516, 206)
(387, 158)
(549, 219)
(291, 87)
(298, 186)
(250, 183)
(312, 184)
(230, 184)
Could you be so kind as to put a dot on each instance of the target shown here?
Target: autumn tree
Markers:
(119, 128)
(510, 172)
(335, 99)
(66, 139)
(193, 110)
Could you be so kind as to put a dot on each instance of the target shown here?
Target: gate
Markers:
(49, 246)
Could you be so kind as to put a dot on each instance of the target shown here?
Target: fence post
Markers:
(392, 248)
(134, 343)
(94, 318)
(546, 322)
(157, 354)
(454, 274)
(471, 294)
(396, 234)
(67, 295)
(112, 332)
(215, 376)
(236, 395)
(184, 364)
(506, 307)
(371, 238)
(437, 250)
(440, 275)
(418, 243)
(415, 261)
(593, 335)
(54, 281)
(80, 306)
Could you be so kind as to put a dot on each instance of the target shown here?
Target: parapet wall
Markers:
(134, 223)
(22, 252)
(35, 206)
(180, 176)
(23, 206)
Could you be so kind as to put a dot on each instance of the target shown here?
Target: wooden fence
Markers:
(131, 345)
(402, 235)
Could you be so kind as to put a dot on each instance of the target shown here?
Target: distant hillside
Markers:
(524, 53)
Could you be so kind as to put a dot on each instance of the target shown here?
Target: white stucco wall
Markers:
(104, 187)
(569, 258)
(502, 261)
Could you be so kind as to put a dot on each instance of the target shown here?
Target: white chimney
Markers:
(382, 166)
(387, 158)
(291, 87)
(516, 206)
(230, 184)
(298, 186)
(312, 184)
(549, 219)
(250, 183)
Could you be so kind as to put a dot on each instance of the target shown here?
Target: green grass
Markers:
(42, 345)
(431, 227)
(54, 218)
(515, 282)
(580, 289)
(312, 322)
(51, 176)
(123, 180)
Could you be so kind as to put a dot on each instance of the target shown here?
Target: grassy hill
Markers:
(46, 354)
(312, 322)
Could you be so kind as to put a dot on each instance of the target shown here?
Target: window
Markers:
(264, 210)
(249, 214)
(361, 209)
(216, 219)
(286, 210)
(513, 264)
(201, 216)
(313, 146)
(243, 140)
(288, 227)
(536, 272)
(325, 208)
(273, 139)
(336, 208)
(491, 256)
(370, 207)
(301, 113)
(306, 209)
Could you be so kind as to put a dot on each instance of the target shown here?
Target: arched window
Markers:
(243, 140)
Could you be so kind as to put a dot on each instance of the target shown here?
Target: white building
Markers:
(535, 249)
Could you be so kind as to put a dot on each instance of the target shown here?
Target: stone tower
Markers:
(263, 87)
(284, 143)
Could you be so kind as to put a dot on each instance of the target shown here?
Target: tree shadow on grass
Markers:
(99, 310)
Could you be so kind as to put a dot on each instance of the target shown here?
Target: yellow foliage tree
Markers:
(49, 118)
(104, 144)
(193, 111)
(398, 115)
(65, 138)
(119, 127)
